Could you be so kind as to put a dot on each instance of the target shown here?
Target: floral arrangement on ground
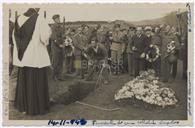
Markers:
(147, 90)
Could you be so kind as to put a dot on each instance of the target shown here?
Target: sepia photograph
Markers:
(90, 62)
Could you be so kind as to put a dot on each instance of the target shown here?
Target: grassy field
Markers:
(104, 97)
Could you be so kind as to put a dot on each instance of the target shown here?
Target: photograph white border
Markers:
(42, 123)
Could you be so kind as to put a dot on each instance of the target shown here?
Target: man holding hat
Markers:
(57, 47)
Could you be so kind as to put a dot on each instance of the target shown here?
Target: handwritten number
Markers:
(83, 122)
(77, 122)
(72, 121)
(63, 122)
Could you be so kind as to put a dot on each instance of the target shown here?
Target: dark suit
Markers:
(130, 55)
(140, 44)
(156, 40)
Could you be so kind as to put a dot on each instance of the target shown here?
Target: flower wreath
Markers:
(171, 47)
(153, 53)
(147, 89)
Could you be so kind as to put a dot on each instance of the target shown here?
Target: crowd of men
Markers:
(86, 51)
(122, 48)
(125, 47)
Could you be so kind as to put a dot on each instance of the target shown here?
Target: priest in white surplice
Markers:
(30, 38)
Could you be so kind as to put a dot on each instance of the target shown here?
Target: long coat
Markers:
(141, 45)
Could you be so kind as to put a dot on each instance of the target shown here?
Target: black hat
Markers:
(55, 16)
(132, 28)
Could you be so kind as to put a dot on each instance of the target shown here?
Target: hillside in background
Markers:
(149, 22)
(170, 19)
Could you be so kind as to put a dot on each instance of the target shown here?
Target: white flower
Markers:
(146, 88)
(138, 97)
(166, 99)
(170, 95)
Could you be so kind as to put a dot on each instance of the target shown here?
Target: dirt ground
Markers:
(104, 97)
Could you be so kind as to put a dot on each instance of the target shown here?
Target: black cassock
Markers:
(32, 94)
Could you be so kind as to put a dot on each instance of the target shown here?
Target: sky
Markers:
(104, 12)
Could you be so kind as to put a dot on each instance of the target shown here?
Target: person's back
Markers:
(32, 59)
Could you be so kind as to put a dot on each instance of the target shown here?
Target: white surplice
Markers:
(36, 54)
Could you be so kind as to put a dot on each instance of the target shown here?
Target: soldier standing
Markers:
(57, 48)
(80, 45)
(117, 47)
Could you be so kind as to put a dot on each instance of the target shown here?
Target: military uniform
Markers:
(57, 51)
(117, 48)
(80, 44)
